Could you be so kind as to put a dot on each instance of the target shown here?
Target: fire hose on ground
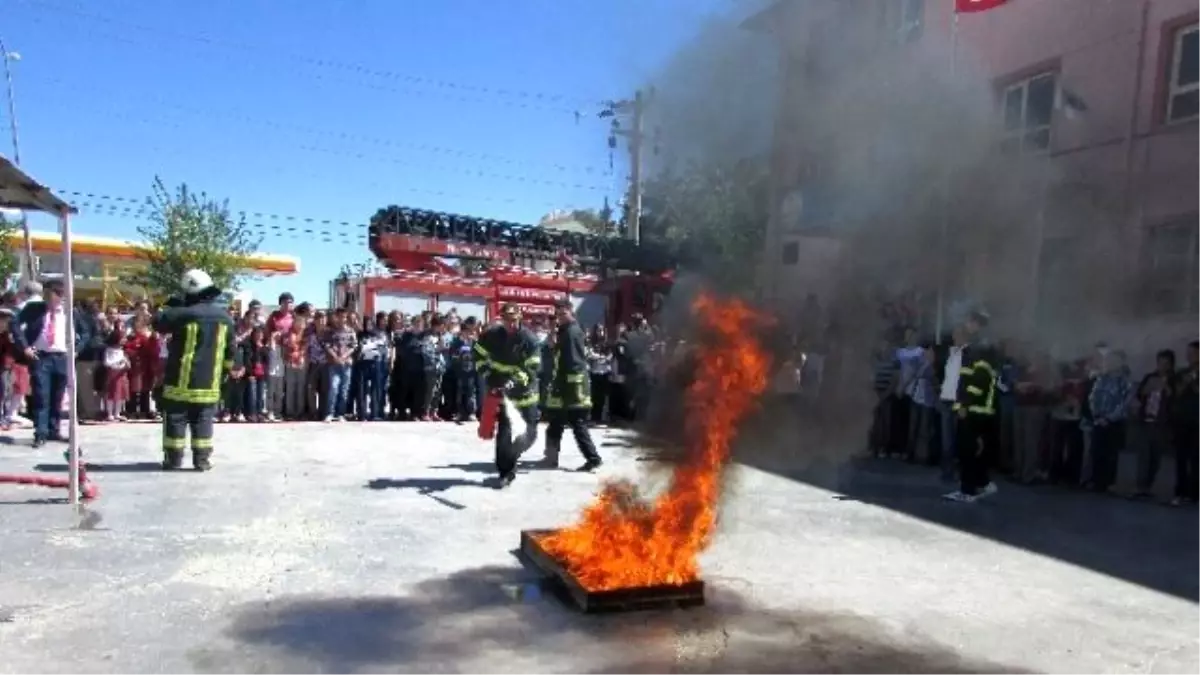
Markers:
(87, 489)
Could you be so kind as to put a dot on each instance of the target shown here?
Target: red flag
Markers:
(970, 6)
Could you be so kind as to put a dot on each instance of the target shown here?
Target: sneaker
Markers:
(959, 496)
(1177, 501)
(989, 489)
(328, 419)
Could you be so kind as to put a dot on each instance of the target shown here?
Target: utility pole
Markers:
(635, 111)
(28, 270)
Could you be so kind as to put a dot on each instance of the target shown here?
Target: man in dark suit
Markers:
(40, 331)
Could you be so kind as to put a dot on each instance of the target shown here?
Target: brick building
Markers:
(1104, 91)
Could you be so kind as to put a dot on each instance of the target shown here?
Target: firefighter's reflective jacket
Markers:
(200, 350)
(570, 386)
(977, 381)
(510, 359)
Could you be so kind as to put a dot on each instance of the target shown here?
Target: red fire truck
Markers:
(607, 279)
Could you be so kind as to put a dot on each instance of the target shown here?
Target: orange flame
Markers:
(621, 542)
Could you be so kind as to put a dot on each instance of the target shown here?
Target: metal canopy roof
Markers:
(19, 191)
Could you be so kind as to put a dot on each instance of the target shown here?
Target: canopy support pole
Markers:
(64, 223)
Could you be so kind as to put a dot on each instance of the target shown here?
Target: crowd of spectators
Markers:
(298, 362)
(1066, 422)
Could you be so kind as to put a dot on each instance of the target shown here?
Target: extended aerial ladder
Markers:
(500, 262)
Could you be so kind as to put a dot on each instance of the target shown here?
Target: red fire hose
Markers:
(87, 489)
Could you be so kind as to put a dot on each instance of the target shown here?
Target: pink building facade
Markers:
(1106, 90)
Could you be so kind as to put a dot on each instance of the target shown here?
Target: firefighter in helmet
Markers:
(200, 350)
(507, 357)
(569, 403)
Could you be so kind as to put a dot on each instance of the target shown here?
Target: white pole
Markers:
(943, 234)
(64, 221)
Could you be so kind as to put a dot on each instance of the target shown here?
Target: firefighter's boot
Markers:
(201, 460)
(172, 460)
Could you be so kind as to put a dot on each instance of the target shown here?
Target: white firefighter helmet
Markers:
(196, 282)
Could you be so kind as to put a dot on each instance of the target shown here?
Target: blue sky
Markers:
(331, 109)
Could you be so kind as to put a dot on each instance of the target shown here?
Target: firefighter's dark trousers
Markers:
(178, 419)
(576, 418)
(976, 442)
(509, 449)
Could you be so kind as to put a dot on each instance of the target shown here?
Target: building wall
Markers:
(1114, 151)
(1114, 56)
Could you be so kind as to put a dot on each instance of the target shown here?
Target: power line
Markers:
(371, 140)
(161, 150)
(379, 141)
(273, 230)
(300, 225)
(510, 96)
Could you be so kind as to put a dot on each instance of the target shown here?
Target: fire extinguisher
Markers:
(488, 411)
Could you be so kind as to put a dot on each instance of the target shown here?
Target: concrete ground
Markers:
(345, 548)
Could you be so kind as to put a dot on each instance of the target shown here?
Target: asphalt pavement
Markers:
(379, 547)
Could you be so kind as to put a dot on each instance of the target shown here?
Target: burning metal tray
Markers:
(617, 600)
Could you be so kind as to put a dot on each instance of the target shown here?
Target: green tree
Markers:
(10, 240)
(598, 222)
(712, 216)
(191, 231)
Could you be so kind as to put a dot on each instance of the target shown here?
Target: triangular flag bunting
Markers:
(971, 6)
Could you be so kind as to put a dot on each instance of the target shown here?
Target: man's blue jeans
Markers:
(256, 396)
(469, 386)
(49, 375)
(372, 387)
(338, 394)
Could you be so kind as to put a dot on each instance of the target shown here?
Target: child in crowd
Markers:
(142, 349)
(295, 369)
(274, 383)
(256, 355)
(14, 377)
(463, 361)
(434, 361)
(371, 364)
(116, 383)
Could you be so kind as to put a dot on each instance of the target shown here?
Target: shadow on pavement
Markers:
(499, 618)
(422, 485)
(130, 467)
(35, 501)
(1143, 543)
(488, 468)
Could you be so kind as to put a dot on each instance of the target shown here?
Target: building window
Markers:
(903, 20)
(907, 19)
(1183, 83)
(791, 253)
(1028, 112)
(1169, 266)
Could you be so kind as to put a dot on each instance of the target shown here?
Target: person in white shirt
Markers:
(964, 334)
(41, 333)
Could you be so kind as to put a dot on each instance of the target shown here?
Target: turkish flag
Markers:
(970, 6)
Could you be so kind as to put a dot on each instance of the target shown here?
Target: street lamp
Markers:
(10, 57)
